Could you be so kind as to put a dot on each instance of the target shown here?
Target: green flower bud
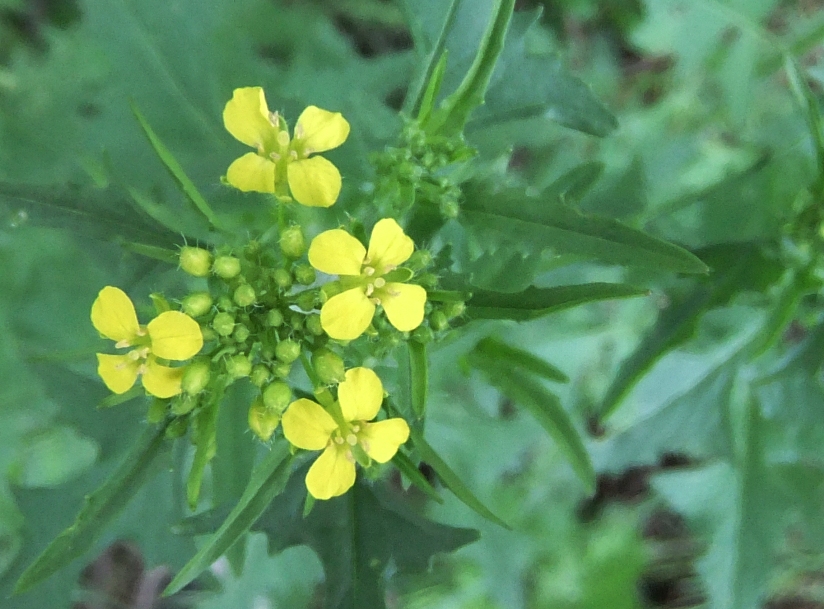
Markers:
(238, 366)
(292, 242)
(282, 278)
(418, 260)
(157, 411)
(251, 250)
(296, 321)
(183, 404)
(241, 333)
(422, 334)
(304, 274)
(281, 370)
(195, 261)
(197, 304)
(178, 427)
(428, 281)
(224, 303)
(313, 324)
(208, 334)
(244, 295)
(450, 208)
(267, 352)
(287, 351)
(329, 366)
(438, 321)
(226, 267)
(262, 421)
(306, 300)
(277, 396)
(195, 377)
(260, 375)
(224, 324)
(274, 318)
(453, 309)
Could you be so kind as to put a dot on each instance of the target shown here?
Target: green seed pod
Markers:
(241, 333)
(224, 324)
(183, 404)
(438, 321)
(262, 421)
(304, 274)
(260, 375)
(226, 267)
(157, 411)
(292, 242)
(282, 278)
(329, 366)
(195, 261)
(313, 324)
(422, 334)
(238, 366)
(178, 427)
(296, 321)
(287, 351)
(245, 296)
(197, 304)
(418, 260)
(453, 309)
(274, 318)
(281, 370)
(306, 300)
(277, 396)
(195, 377)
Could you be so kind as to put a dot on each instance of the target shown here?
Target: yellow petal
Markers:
(336, 252)
(175, 336)
(162, 381)
(113, 315)
(314, 182)
(360, 395)
(252, 173)
(321, 130)
(331, 474)
(388, 246)
(119, 372)
(307, 425)
(381, 440)
(246, 117)
(346, 315)
(403, 304)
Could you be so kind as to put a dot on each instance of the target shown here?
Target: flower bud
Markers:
(252, 249)
(277, 396)
(450, 208)
(208, 334)
(329, 366)
(260, 375)
(157, 411)
(422, 334)
(287, 351)
(306, 300)
(224, 303)
(313, 324)
(224, 324)
(304, 274)
(241, 333)
(438, 321)
(262, 421)
(282, 278)
(183, 404)
(428, 281)
(195, 377)
(226, 267)
(178, 427)
(244, 295)
(274, 318)
(296, 322)
(281, 370)
(238, 366)
(453, 309)
(195, 261)
(197, 304)
(418, 260)
(292, 242)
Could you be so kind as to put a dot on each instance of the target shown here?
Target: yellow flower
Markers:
(171, 336)
(279, 160)
(346, 438)
(369, 278)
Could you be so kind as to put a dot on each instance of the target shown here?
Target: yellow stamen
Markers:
(380, 282)
(283, 138)
(122, 344)
(339, 440)
(368, 271)
(351, 439)
(369, 289)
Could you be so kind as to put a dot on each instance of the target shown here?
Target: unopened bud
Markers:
(195, 377)
(418, 260)
(244, 295)
(157, 411)
(195, 261)
(450, 208)
(197, 304)
(241, 333)
(274, 318)
(296, 322)
(224, 303)
(287, 351)
(329, 366)
(224, 324)
(292, 242)
(313, 324)
(251, 250)
(238, 366)
(262, 421)
(306, 300)
(422, 334)
(428, 281)
(282, 278)
(281, 370)
(183, 404)
(438, 321)
(453, 309)
(178, 427)
(260, 375)
(277, 396)
(208, 334)
(226, 267)
(304, 274)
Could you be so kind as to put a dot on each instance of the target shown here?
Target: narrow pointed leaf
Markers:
(493, 349)
(408, 469)
(205, 449)
(418, 376)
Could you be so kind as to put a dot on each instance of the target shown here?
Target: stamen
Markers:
(365, 446)
(369, 289)
(339, 440)
(351, 439)
(394, 293)
(293, 155)
(380, 282)
(368, 271)
(349, 456)
(134, 354)
(307, 152)
(141, 331)
(299, 132)
(274, 118)
(274, 156)
(142, 369)
(356, 428)
(375, 301)
(283, 138)
(122, 344)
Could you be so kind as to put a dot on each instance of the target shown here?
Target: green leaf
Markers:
(176, 170)
(152, 251)
(537, 302)
(541, 404)
(494, 214)
(418, 377)
(268, 479)
(407, 467)
(98, 510)
(452, 481)
(205, 439)
(493, 349)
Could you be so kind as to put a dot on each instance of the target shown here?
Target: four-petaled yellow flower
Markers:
(279, 159)
(369, 278)
(346, 438)
(170, 336)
